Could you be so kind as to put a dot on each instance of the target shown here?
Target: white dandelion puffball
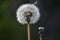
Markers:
(25, 8)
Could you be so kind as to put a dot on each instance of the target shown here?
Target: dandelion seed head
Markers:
(25, 8)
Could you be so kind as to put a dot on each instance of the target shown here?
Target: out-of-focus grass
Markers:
(10, 29)
(4, 5)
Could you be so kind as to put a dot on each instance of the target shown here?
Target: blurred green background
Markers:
(10, 29)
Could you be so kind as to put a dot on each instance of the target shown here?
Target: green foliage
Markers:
(10, 29)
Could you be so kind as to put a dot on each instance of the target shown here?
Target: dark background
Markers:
(10, 29)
